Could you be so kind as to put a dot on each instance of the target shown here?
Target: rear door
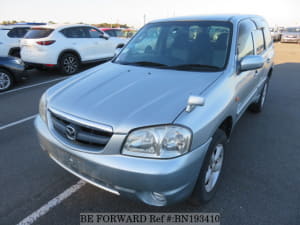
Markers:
(264, 49)
(79, 40)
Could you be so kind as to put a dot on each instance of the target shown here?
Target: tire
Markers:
(258, 106)
(6, 80)
(69, 63)
(208, 179)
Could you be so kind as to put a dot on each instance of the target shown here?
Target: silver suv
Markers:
(152, 124)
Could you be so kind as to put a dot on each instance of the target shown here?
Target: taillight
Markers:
(45, 42)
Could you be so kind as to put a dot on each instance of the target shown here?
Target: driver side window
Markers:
(245, 40)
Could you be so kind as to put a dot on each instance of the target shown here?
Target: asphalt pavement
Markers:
(260, 183)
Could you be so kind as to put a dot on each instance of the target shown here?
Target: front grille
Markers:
(79, 134)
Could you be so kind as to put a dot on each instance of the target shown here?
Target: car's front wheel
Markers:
(6, 80)
(209, 176)
(69, 63)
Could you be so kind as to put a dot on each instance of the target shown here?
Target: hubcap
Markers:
(263, 96)
(214, 167)
(4, 81)
(70, 64)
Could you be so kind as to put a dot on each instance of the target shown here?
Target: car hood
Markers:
(126, 97)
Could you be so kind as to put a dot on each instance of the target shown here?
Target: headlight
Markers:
(158, 142)
(43, 107)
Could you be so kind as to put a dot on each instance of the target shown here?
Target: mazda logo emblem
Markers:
(71, 132)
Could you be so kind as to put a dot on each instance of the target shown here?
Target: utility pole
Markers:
(144, 19)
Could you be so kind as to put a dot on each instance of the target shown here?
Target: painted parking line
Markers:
(33, 85)
(52, 203)
(18, 122)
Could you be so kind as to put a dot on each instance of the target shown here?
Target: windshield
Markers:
(183, 45)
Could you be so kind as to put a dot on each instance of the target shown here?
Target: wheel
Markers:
(209, 176)
(6, 80)
(69, 63)
(259, 105)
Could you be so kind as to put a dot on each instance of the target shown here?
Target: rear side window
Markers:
(18, 32)
(245, 40)
(259, 41)
(268, 38)
(76, 32)
(38, 33)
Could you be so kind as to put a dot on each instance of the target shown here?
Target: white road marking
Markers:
(17, 122)
(33, 85)
(52, 203)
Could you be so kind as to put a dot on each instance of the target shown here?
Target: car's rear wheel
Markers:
(6, 80)
(259, 105)
(210, 173)
(69, 63)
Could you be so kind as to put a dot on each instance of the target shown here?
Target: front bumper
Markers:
(136, 178)
(292, 40)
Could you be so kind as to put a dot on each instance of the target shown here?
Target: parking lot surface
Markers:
(260, 182)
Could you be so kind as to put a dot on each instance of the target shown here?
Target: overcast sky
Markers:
(131, 12)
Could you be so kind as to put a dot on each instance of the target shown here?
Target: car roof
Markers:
(11, 26)
(61, 26)
(212, 17)
(107, 28)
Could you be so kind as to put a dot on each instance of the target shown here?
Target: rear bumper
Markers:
(35, 56)
(20, 75)
(133, 177)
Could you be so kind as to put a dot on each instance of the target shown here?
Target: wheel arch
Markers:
(72, 51)
(226, 126)
(8, 70)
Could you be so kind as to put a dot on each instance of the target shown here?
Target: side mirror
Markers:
(251, 62)
(104, 36)
(194, 101)
(118, 49)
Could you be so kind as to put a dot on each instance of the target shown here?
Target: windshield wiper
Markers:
(193, 67)
(144, 63)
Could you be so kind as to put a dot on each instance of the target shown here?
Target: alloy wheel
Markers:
(5, 81)
(214, 168)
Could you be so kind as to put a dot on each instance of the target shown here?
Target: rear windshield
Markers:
(18, 32)
(38, 33)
